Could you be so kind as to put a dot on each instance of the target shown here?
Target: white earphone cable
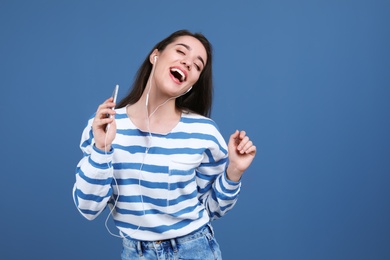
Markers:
(149, 144)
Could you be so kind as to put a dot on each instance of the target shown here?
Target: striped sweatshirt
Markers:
(159, 186)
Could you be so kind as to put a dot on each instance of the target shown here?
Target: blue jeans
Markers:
(200, 245)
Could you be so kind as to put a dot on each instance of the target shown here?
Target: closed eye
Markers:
(198, 68)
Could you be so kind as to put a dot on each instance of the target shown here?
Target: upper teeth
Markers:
(183, 76)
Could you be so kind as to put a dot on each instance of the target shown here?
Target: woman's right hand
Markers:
(104, 115)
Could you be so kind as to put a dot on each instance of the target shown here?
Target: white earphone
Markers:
(188, 90)
(147, 95)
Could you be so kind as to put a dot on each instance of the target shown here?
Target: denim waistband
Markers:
(203, 231)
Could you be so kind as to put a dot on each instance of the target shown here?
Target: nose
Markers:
(186, 63)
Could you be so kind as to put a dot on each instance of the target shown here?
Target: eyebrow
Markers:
(189, 48)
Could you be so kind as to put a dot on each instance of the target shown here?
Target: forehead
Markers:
(193, 44)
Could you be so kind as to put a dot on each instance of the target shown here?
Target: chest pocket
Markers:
(182, 180)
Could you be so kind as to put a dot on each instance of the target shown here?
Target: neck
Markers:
(155, 105)
(159, 116)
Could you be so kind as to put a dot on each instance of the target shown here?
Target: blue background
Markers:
(308, 80)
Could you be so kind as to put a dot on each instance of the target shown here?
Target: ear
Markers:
(153, 56)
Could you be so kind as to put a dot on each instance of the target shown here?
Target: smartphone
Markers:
(114, 95)
(115, 92)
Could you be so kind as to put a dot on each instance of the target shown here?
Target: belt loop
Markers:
(173, 244)
(211, 229)
(139, 248)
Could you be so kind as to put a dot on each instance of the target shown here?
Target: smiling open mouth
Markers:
(178, 74)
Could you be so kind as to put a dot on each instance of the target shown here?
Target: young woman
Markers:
(162, 166)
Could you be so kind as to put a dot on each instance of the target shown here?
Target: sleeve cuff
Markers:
(233, 186)
(101, 157)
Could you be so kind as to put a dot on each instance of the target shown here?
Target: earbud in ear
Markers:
(155, 58)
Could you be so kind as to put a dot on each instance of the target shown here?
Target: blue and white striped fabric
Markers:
(172, 189)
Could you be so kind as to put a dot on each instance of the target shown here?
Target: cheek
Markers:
(194, 78)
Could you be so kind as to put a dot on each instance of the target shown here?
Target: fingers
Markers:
(105, 113)
(244, 144)
(106, 109)
(107, 104)
(234, 136)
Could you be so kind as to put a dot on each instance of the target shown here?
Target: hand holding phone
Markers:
(114, 95)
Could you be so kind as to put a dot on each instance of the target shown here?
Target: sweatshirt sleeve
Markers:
(94, 173)
(217, 193)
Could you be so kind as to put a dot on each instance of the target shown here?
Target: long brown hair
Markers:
(199, 99)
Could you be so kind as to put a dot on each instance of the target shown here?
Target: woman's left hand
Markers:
(241, 152)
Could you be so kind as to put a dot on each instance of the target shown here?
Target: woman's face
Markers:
(179, 65)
